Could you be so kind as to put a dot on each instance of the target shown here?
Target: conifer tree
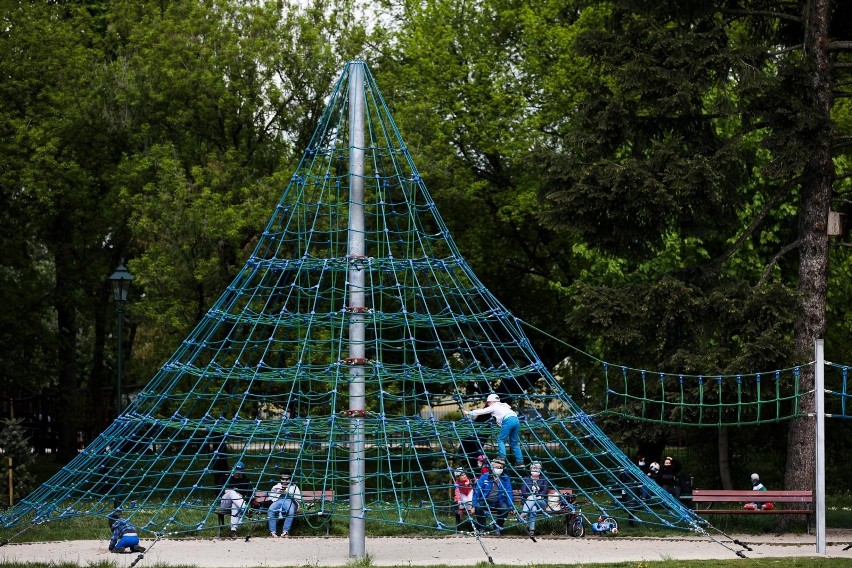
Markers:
(15, 445)
(702, 160)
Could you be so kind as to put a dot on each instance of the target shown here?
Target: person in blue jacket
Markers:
(493, 493)
(124, 535)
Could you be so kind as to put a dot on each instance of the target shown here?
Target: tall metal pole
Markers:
(120, 281)
(119, 310)
(819, 407)
(356, 308)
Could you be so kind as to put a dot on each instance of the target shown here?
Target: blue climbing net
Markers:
(265, 377)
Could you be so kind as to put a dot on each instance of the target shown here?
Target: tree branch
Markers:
(769, 13)
(719, 260)
(779, 254)
(839, 45)
(786, 50)
(841, 142)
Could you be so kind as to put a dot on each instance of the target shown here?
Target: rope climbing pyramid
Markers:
(345, 352)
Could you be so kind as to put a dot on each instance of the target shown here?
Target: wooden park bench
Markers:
(800, 502)
(316, 507)
(311, 508)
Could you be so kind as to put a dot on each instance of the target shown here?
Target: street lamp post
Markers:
(121, 280)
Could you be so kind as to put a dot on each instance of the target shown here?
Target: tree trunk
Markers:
(725, 458)
(816, 188)
(66, 315)
(98, 381)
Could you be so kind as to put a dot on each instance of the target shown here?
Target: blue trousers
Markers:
(510, 430)
(285, 506)
(532, 507)
(127, 541)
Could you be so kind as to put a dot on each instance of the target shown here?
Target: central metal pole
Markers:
(356, 308)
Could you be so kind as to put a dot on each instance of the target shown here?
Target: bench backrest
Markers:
(312, 496)
(739, 496)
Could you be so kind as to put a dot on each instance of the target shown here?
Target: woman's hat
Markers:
(459, 471)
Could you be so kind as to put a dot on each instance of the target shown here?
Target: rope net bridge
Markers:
(345, 350)
(745, 399)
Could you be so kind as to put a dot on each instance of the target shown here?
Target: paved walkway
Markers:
(453, 551)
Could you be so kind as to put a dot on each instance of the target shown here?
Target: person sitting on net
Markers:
(124, 535)
(493, 493)
(756, 485)
(534, 495)
(510, 427)
(234, 493)
(286, 497)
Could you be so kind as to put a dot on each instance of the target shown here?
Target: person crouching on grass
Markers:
(124, 535)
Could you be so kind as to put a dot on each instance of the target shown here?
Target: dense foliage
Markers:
(648, 181)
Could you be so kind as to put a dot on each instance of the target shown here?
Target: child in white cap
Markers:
(510, 427)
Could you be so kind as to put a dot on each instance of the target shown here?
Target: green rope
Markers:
(739, 399)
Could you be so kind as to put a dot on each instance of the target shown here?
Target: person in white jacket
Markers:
(510, 427)
(286, 497)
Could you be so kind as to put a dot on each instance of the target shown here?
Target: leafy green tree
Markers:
(228, 95)
(153, 131)
(56, 179)
(468, 83)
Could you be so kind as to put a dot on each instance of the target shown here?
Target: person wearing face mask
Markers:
(669, 475)
(534, 493)
(493, 494)
(510, 427)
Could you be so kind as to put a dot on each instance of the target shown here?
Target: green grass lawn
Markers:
(411, 522)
